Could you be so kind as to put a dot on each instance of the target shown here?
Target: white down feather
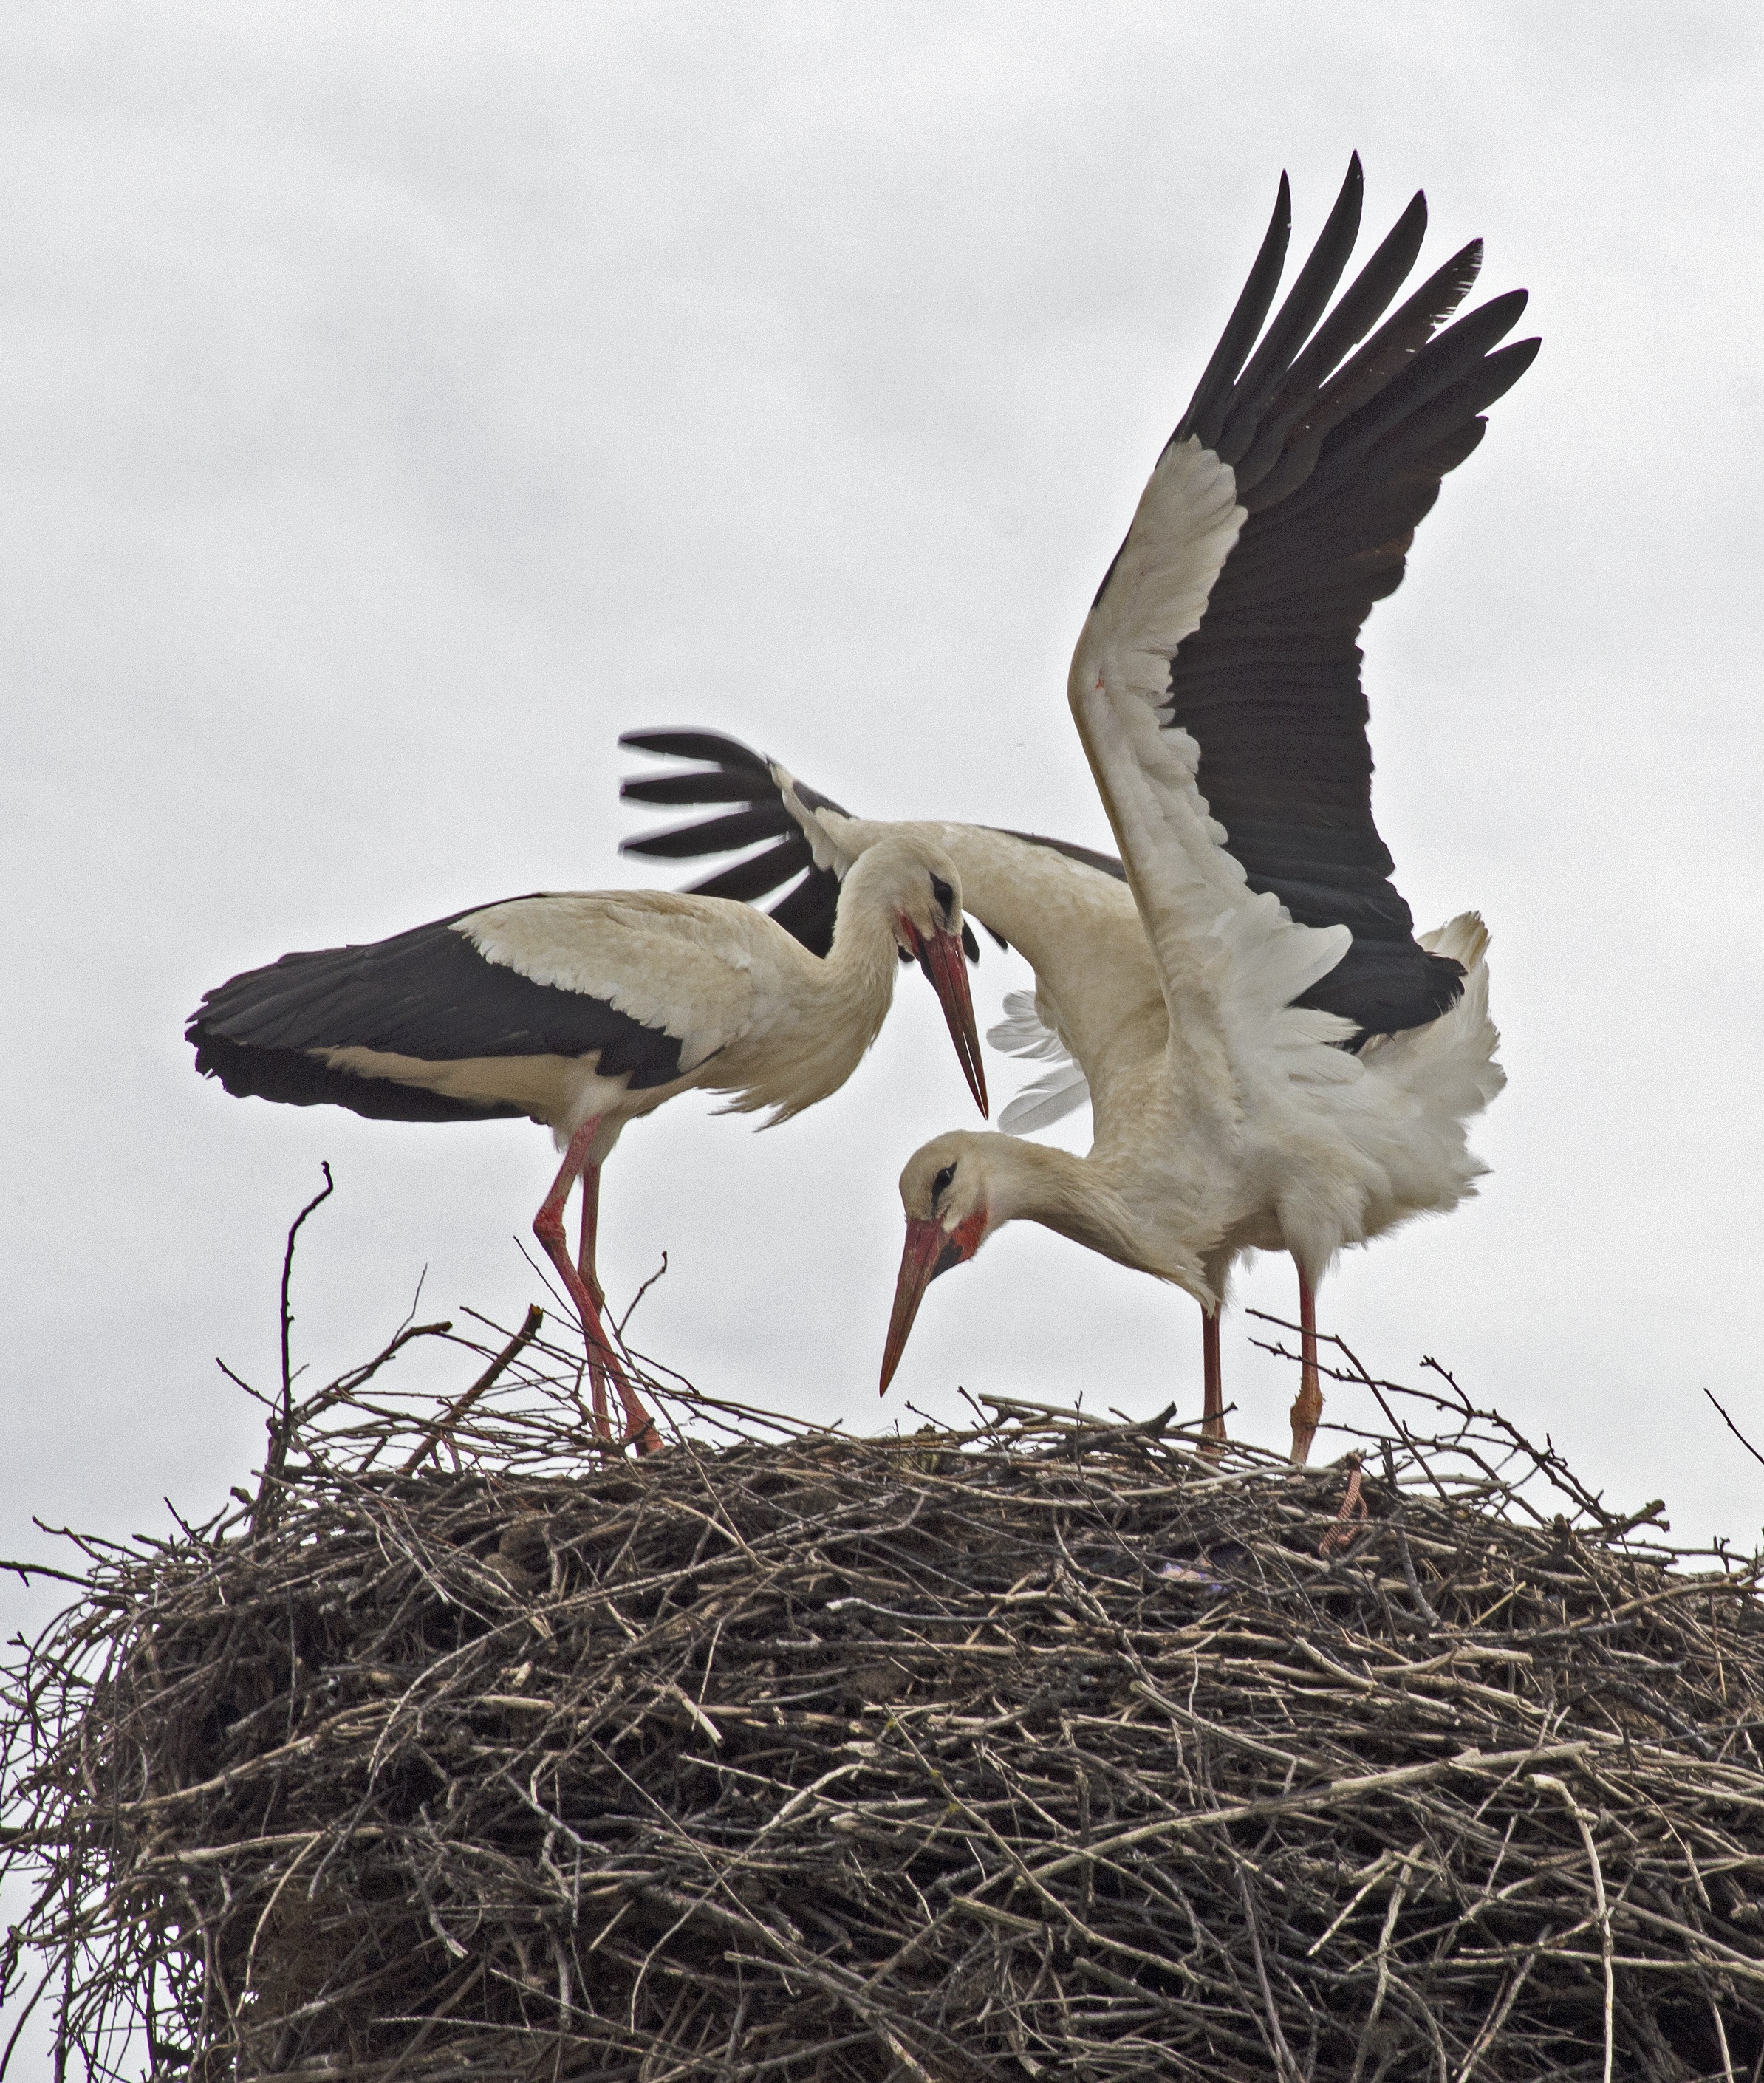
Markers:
(1060, 1090)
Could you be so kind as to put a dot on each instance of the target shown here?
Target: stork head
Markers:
(917, 883)
(949, 1194)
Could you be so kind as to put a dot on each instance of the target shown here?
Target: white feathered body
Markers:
(757, 1017)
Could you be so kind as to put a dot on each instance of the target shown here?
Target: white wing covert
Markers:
(1221, 950)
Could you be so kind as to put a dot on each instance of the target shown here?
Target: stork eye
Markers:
(941, 1182)
(944, 894)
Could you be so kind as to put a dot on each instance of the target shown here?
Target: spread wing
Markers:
(735, 774)
(1216, 681)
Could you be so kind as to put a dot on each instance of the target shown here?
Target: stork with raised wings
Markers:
(1274, 1060)
(586, 1010)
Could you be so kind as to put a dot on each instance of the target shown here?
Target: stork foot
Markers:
(1307, 1414)
(639, 1433)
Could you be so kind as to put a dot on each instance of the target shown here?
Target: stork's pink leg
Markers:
(1213, 1414)
(1307, 1405)
(590, 1228)
(584, 1265)
(548, 1228)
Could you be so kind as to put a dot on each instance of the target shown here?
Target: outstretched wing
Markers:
(735, 773)
(1216, 681)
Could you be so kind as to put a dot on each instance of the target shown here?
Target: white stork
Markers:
(1274, 1060)
(588, 1010)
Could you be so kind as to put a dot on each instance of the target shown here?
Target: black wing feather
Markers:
(760, 874)
(1104, 863)
(717, 786)
(1361, 306)
(808, 911)
(1206, 408)
(720, 751)
(1449, 357)
(1305, 305)
(741, 828)
(1339, 462)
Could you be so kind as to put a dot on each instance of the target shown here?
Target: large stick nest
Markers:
(1049, 1748)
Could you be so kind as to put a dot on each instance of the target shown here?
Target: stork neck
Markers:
(815, 1037)
(865, 951)
(1040, 1182)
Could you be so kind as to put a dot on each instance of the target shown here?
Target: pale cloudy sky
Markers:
(401, 401)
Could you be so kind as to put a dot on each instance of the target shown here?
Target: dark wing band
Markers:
(427, 994)
(1338, 450)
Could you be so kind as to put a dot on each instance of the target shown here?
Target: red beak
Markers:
(931, 1249)
(942, 959)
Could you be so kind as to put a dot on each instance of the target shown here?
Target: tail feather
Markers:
(1463, 939)
(1449, 1065)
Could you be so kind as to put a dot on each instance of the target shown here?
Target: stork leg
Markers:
(548, 1228)
(584, 1265)
(1212, 1415)
(590, 1229)
(1307, 1405)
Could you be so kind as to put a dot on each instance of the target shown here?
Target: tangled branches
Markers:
(1048, 1748)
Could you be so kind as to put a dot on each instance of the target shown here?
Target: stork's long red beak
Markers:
(931, 1249)
(942, 959)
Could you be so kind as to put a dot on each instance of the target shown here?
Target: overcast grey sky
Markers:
(401, 401)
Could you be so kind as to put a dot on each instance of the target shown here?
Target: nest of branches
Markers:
(1050, 1747)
